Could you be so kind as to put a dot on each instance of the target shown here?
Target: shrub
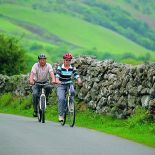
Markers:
(26, 103)
(138, 118)
(12, 56)
(15, 103)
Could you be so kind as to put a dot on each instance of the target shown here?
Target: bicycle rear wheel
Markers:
(71, 114)
(41, 109)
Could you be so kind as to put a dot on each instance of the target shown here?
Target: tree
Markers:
(12, 56)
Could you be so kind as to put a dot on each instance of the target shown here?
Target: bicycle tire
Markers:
(71, 115)
(43, 116)
(39, 114)
(43, 100)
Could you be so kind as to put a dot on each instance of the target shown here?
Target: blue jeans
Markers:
(36, 92)
(61, 92)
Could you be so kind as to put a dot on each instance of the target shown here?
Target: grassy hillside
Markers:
(83, 27)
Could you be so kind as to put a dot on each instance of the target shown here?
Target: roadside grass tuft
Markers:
(140, 117)
(5, 99)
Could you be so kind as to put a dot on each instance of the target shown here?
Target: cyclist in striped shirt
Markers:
(63, 79)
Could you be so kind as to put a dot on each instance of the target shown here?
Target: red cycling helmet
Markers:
(67, 56)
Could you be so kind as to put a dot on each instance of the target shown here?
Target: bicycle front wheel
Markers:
(71, 114)
(39, 114)
(43, 102)
(43, 116)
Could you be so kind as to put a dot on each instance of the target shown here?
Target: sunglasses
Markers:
(67, 59)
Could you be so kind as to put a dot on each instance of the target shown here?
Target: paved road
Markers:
(25, 136)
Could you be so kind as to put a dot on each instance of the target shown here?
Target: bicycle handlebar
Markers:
(41, 84)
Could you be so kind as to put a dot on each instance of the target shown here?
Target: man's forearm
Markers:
(31, 80)
(52, 77)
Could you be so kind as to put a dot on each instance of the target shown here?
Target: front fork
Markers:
(42, 101)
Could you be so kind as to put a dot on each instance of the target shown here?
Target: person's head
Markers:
(67, 58)
(42, 59)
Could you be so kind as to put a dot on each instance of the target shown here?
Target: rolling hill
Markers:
(123, 31)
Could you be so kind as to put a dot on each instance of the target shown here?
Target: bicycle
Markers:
(69, 109)
(41, 103)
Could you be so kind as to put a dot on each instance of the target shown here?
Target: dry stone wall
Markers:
(116, 89)
(108, 87)
(15, 84)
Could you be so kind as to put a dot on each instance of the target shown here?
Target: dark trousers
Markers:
(36, 90)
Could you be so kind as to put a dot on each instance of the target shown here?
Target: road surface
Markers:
(26, 136)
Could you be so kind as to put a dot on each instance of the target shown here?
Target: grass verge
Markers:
(135, 128)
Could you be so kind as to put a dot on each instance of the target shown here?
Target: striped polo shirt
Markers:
(65, 75)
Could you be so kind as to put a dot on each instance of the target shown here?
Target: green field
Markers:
(51, 29)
